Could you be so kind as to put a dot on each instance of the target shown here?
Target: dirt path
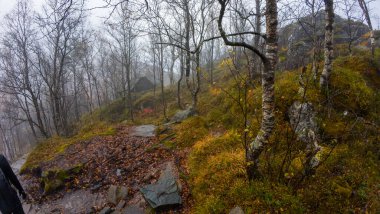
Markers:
(132, 158)
(16, 166)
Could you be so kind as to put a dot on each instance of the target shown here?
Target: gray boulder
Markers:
(303, 122)
(144, 131)
(182, 115)
(165, 192)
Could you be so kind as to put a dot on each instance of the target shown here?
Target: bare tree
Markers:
(20, 78)
(269, 59)
(122, 32)
(353, 22)
(59, 25)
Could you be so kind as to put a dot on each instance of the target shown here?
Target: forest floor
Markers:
(132, 157)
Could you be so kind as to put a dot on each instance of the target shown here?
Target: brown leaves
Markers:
(118, 160)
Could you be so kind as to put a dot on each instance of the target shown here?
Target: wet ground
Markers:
(131, 158)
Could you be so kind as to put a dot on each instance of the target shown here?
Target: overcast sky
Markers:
(97, 15)
(7, 5)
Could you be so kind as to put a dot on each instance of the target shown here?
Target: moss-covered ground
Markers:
(347, 180)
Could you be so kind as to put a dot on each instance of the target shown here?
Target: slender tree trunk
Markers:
(211, 62)
(182, 68)
(154, 71)
(329, 19)
(76, 105)
(161, 55)
(129, 81)
(97, 90)
(197, 81)
(256, 60)
(172, 62)
(30, 120)
(41, 125)
(363, 6)
(268, 120)
(187, 38)
(269, 59)
(314, 53)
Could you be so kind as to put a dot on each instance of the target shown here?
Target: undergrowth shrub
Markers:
(347, 179)
(218, 180)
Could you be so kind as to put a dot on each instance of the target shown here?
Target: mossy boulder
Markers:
(54, 179)
(182, 115)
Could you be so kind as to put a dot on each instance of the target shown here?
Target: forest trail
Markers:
(16, 165)
(132, 158)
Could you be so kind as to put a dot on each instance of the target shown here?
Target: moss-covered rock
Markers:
(53, 180)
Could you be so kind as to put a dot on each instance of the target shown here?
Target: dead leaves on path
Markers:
(120, 160)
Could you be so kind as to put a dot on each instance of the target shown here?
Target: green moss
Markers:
(114, 112)
(54, 179)
(349, 87)
(190, 130)
(217, 166)
(52, 147)
(218, 180)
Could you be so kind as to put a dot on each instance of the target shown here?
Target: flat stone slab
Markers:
(165, 192)
(72, 203)
(144, 131)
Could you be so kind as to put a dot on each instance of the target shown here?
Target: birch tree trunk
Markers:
(269, 59)
(268, 120)
(329, 33)
(364, 8)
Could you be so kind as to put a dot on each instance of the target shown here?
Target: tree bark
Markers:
(182, 68)
(329, 33)
(269, 60)
(364, 8)
(268, 120)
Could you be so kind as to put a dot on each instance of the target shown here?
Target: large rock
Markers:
(53, 180)
(165, 192)
(182, 115)
(144, 131)
(296, 40)
(80, 201)
(303, 122)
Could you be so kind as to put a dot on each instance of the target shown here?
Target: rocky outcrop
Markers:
(182, 115)
(165, 192)
(53, 180)
(303, 122)
(144, 131)
(297, 41)
(80, 201)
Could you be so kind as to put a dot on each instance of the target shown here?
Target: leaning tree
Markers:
(269, 59)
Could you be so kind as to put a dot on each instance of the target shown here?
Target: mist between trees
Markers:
(55, 66)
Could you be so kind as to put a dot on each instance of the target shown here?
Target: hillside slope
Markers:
(208, 149)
